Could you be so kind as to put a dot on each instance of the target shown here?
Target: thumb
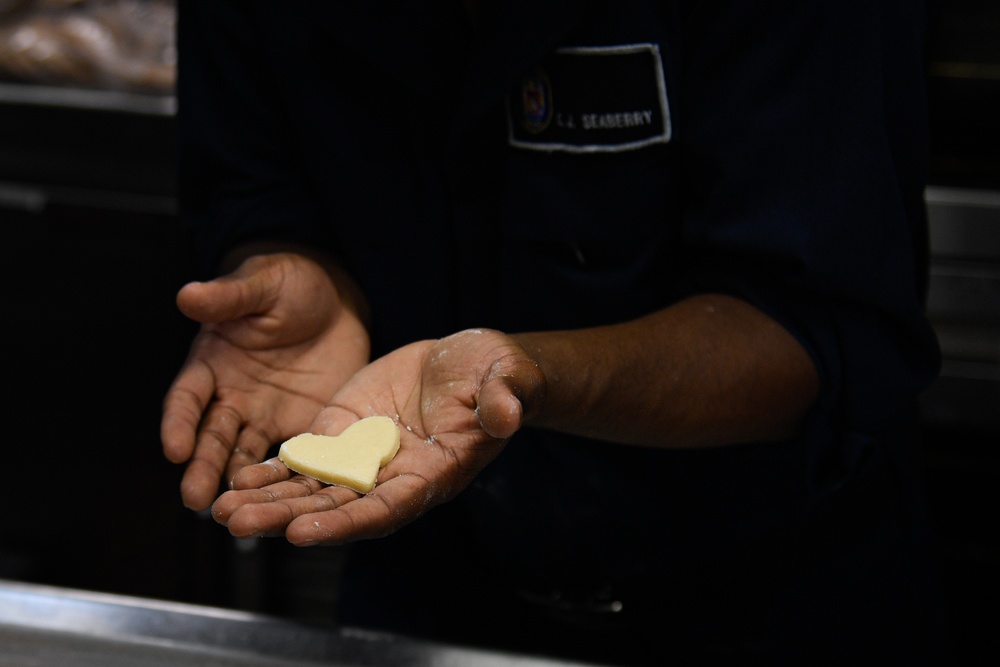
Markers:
(223, 299)
(507, 397)
(499, 410)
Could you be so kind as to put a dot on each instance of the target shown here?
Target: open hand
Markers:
(276, 342)
(457, 401)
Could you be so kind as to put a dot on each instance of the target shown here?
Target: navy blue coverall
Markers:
(549, 165)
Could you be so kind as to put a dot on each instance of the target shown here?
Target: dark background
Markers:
(92, 256)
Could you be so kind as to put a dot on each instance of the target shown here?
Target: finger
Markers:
(212, 452)
(230, 501)
(273, 518)
(183, 407)
(200, 485)
(260, 475)
(251, 448)
(382, 512)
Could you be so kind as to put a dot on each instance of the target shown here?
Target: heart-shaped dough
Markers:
(351, 459)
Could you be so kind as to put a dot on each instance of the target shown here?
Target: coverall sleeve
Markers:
(803, 127)
(240, 178)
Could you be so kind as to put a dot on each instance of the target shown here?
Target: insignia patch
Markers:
(536, 102)
(592, 99)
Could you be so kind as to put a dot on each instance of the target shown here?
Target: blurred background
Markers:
(92, 256)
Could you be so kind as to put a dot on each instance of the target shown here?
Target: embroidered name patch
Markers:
(592, 99)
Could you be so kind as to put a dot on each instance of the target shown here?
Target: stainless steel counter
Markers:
(44, 626)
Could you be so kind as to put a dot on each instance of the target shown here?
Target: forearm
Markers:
(710, 370)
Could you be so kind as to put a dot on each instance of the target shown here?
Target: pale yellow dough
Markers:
(351, 459)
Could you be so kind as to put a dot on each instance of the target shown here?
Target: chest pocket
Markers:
(592, 99)
(591, 181)
(589, 152)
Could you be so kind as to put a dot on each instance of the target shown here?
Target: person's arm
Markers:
(283, 325)
(802, 128)
(709, 370)
(794, 209)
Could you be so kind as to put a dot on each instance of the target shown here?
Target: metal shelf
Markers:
(111, 101)
(84, 148)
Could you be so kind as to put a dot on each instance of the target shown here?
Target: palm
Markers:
(272, 390)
